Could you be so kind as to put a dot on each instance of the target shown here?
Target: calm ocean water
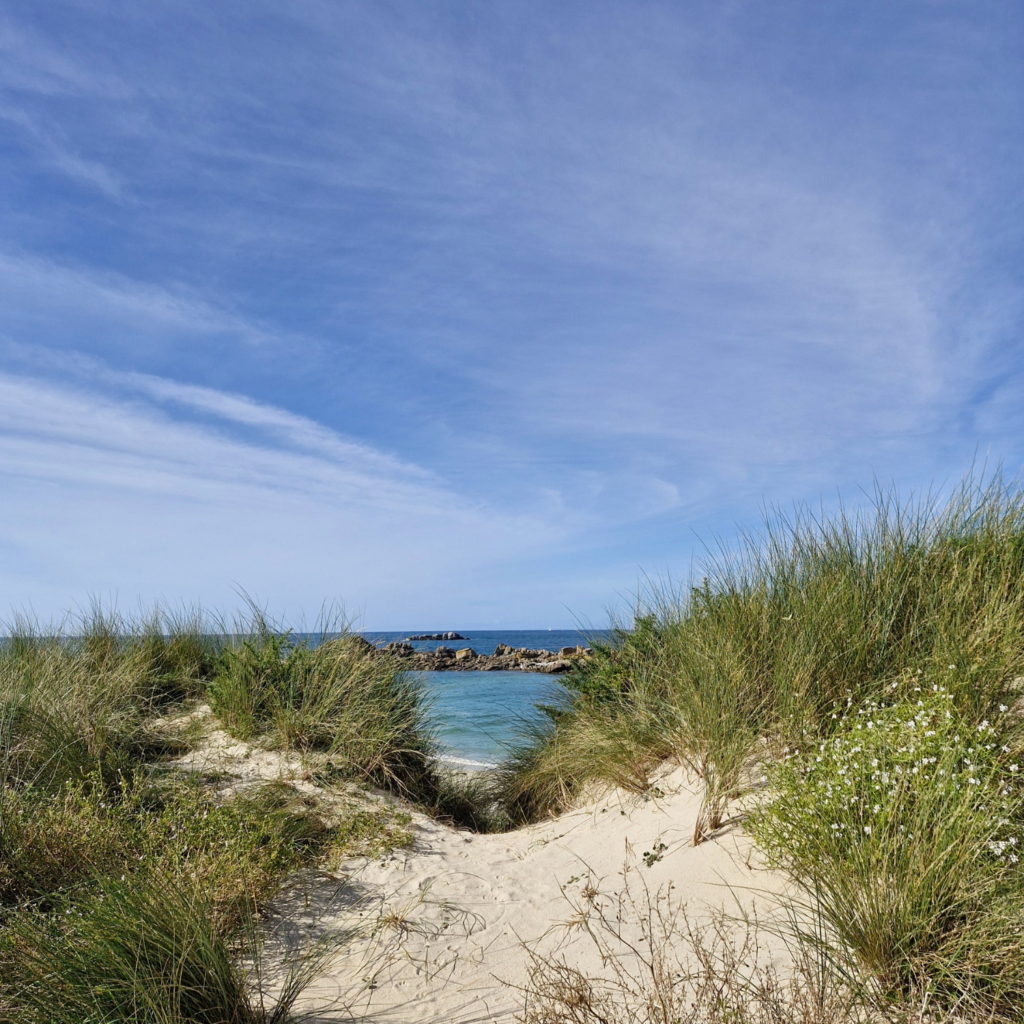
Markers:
(479, 714)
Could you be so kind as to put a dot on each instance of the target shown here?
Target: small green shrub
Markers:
(254, 679)
(904, 829)
(50, 842)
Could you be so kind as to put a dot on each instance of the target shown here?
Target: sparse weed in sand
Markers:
(661, 968)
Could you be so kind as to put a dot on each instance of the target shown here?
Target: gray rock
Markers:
(436, 636)
(551, 666)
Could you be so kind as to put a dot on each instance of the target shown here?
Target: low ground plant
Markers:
(142, 907)
(239, 849)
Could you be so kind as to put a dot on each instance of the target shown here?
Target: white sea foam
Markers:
(465, 762)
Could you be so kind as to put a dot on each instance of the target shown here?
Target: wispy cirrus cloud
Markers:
(614, 273)
(41, 294)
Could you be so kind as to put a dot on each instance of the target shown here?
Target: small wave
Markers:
(466, 762)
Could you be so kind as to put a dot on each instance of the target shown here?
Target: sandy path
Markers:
(446, 924)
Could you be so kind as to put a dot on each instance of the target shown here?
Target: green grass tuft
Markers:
(144, 951)
(340, 698)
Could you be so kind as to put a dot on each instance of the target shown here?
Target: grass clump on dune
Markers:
(140, 905)
(146, 951)
(75, 703)
(771, 637)
(354, 709)
(337, 696)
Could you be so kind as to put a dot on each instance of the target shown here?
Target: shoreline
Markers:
(466, 765)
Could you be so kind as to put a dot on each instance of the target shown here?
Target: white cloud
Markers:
(298, 431)
(104, 494)
(46, 294)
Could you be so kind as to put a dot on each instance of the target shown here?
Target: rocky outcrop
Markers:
(436, 636)
(504, 658)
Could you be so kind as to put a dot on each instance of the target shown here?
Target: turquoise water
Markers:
(478, 714)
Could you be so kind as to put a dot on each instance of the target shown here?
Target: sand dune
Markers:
(447, 926)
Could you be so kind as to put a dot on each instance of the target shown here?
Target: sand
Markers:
(447, 927)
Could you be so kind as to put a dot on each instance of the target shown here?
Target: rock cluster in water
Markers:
(436, 636)
(504, 658)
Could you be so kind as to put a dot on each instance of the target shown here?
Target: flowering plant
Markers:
(904, 826)
(881, 761)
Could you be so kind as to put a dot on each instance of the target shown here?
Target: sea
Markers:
(480, 716)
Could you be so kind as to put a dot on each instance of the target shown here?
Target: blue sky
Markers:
(467, 315)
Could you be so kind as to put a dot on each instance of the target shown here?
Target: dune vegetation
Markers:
(858, 679)
(130, 889)
(848, 687)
